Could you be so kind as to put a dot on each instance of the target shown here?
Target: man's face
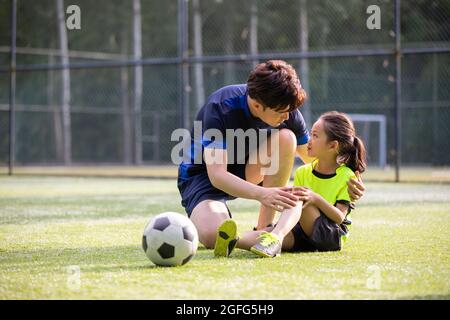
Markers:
(271, 117)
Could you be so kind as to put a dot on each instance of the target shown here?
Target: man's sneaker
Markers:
(268, 245)
(226, 238)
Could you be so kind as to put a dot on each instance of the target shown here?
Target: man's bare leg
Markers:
(287, 143)
(207, 216)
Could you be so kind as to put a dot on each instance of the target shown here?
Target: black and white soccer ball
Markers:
(170, 239)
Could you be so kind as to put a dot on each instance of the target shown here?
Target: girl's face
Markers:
(318, 145)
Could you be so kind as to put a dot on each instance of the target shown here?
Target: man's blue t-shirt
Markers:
(227, 108)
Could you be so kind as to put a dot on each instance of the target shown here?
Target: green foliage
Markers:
(354, 84)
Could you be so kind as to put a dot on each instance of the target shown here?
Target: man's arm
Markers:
(216, 166)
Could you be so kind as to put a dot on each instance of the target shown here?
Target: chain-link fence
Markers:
(115, 89)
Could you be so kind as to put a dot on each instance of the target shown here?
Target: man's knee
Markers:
(207, 216)
(207, 235)
(287, 139)
(208, 239)
(282, 148)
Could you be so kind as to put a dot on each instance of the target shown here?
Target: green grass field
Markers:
(399, 246)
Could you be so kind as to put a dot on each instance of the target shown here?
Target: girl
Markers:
(320, 220)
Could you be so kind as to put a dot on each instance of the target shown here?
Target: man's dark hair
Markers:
(275, 85)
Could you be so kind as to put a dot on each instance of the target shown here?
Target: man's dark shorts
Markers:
(198, 188)
(326, 236)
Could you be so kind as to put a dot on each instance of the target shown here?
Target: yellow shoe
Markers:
(268, 245)
(226, 238)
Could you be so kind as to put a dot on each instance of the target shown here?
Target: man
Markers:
(269, 101)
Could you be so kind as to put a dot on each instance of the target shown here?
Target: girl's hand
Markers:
(306, 195)
(278, 198)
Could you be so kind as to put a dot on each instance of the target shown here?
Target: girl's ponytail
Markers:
(357, 156)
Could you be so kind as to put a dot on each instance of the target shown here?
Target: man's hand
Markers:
(277, 198)
(356, 187)
(306, 195)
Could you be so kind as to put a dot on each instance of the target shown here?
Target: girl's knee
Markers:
(309, 216)
(311, 210)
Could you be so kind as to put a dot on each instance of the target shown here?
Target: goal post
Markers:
(366, 120)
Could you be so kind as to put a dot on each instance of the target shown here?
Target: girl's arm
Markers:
(336, 213)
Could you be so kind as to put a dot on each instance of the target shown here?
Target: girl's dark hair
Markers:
(352, 152)
(275, 85)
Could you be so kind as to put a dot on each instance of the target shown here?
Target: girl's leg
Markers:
(307, 219)
(285, 223)
(288, 219)
(288, 242)
(249, 239)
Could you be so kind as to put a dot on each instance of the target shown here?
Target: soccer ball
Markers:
(170, 239)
